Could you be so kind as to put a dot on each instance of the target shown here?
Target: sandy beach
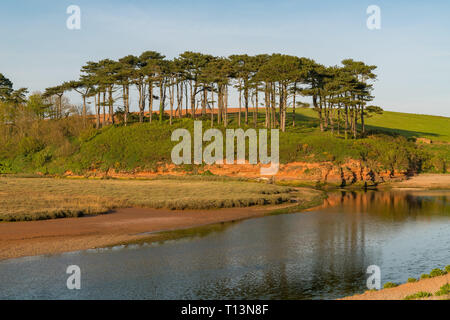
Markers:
(425, 181)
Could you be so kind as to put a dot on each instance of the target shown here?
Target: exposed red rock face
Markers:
(345, 174)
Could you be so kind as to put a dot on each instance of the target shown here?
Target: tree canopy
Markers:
(202, 82)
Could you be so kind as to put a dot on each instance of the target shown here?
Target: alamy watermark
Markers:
(374, 280)
(374, 20)
(213, 152)
(73, 22)
(74, 280)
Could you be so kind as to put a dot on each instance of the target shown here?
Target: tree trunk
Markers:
(179, 99)
(339, 121)
(111, 106)
(171, 92)
(225, 118)
(363, 126)
(104, 108)
(293, 110)
(212, 107)
(346, 122)
(331, 113)
(84, 110)
(60, 106)
(273, 101)
(141, 115)
(240, 107)
(162, 98)
(266, 105)
(186, 95)
(205, 97)
(125, 111)
(150, 101)
(192, 99)
(219, 115)
(246, 102)
(97, 111)
(255, 110)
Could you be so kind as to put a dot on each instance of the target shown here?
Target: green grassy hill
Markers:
(412, 125)
(53, 148)
(406, 124)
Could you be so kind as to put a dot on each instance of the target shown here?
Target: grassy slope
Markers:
(144, 145)
(407, 124)
(413, 125)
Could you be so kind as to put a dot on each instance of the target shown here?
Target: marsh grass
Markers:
(46, 198)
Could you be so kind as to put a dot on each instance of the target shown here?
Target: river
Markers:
(319, 254)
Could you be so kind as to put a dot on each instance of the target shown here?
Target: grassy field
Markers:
(46, 198)
(406, 124)
(412, 125)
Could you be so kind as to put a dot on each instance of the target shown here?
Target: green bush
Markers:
(447, 269)
(444, 290)
(388, 285)
(6, 166)
(419, 295)
(425, 276)
(42, 157)
(412, 280)
(437, 273)
(29, 145)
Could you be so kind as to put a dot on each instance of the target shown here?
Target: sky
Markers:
(411, 49)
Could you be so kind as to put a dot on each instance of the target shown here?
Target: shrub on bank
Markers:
(388, 285)
(419, 295)
(444, 290)
(436, 273)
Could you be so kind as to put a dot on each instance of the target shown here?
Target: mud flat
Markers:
(28, 238)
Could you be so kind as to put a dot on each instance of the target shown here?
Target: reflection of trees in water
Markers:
(343, 257)
(335, 261)
(414, 203)
(396, 206)
(332, 263)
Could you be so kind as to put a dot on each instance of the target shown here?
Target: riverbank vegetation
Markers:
(47, 198)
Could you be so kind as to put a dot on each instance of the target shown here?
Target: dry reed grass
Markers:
(47, 198)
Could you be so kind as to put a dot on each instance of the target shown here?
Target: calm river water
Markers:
(320, 254)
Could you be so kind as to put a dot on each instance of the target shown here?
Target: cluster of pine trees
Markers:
(195, 84)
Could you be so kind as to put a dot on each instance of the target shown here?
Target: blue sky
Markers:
(412, 49)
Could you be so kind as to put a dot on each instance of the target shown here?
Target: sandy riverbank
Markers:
(425, 181)
(430, 285)
(29, 238)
